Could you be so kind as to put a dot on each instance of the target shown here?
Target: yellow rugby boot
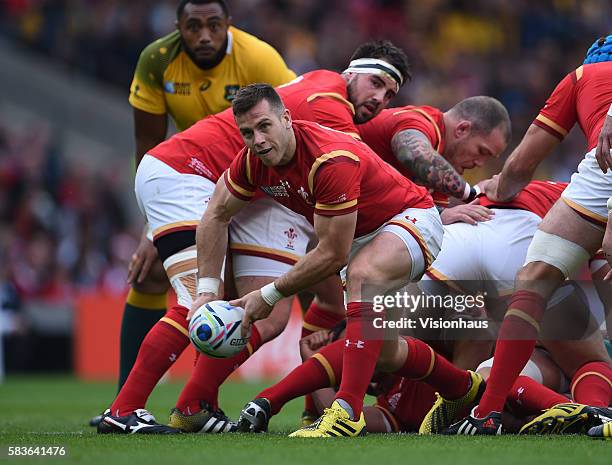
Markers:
(569, 418)
(445, 412)
(335, 422)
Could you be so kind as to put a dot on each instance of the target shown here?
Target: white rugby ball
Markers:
(214, 329)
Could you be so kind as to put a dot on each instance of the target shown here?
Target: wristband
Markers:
(270, 294)
(467, 191)
(208, 285)
(610, 110)
(609, 205)
(474, 192)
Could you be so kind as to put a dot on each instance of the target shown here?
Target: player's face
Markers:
(369, 94)
(474, 150)
(266, 133)
(204, 32)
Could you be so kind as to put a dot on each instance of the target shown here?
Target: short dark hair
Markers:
(486, 114)
(249, 96)
(181, 6)
(385, 50)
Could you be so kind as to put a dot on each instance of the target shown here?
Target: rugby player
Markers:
(433, 148)
(570, 233)
(484, 259)
(194, 159)
(191, 73)
(364, 213)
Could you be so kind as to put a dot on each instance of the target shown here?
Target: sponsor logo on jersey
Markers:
(230, 92)
(177, 88)
(275, 191)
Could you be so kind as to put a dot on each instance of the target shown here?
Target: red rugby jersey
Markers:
(583, 96)
(208, 147)
(330, 174)
(537, 197)
(379, 132)
(406, 403)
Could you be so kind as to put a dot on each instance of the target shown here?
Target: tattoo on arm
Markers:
(413, 149)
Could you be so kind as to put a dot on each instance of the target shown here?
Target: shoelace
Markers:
(329, 418)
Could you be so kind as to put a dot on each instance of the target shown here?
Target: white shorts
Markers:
(421, 232)
(485, 256)
(589, 190)
(267, 239)
(169, 200)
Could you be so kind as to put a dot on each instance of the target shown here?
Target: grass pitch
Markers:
(53, 411)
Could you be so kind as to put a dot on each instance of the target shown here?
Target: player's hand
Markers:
(313, 342)
(604, 145)
(490, 188)
(255, 308)
(469, 213)
(202, 299)
(141, 261)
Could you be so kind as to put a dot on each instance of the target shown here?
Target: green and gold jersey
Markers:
(168, 81)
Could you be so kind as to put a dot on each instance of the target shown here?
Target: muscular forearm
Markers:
(211, 242)
(313, 267)
(523, 161)
(414, 151)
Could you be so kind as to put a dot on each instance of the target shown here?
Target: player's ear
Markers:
(463, 129)
(229, 21)
(287, 118)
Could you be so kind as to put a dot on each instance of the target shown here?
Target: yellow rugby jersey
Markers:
(166, 80)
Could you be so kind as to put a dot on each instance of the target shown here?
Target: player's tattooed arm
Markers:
(413, 149)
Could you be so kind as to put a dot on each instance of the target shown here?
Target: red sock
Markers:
(532, 397)
(158, 351)
(362, 348)
(322, 370)
(592, 384)
(317, 319)
(515, 344)
(209, 373)
(423, 364)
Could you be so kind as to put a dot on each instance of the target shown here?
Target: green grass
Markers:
(54, 411)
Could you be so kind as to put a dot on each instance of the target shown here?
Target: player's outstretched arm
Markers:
(414, 150)
(211, 242)
(335, 234)
(521, 164)
(604, 144)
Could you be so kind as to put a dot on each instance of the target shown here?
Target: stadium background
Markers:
(68, 220)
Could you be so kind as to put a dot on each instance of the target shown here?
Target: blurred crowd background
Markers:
(65, 225)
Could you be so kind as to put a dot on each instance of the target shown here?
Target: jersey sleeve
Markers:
(146, 91)
(238, 177)
(413, 119)
(332, 110)
(336, 180)
(558, 115)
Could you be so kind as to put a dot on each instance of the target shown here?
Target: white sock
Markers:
(346, 406)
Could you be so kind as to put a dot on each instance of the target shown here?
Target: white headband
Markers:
(375, 66)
